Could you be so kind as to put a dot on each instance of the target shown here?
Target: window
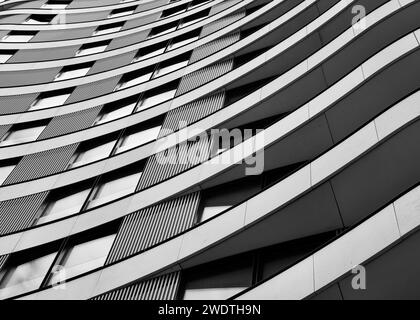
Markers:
(114, 187)
(150, 51)
(122, 12)
(50, 99)
(39, 19)
(6, 55)
(183, 40)
(23, 276)
(194, 18)
(134, 78)
(220, 198)
(166, 28)
(91, 153)
(117, 110)
(63, 204)
(109, 28)
(5, 170)
(209, 212)
(218, 280)
(152, 99)
(19, 36)
(138, 138)
(170, 66)
(56, 4)
(71, 72)
(22, 135)
(83, 255)
(174, 11)
(92, 48)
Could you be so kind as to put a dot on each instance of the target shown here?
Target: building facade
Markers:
(209, 149)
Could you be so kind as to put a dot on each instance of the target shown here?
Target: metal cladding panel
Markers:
(212, 47)
(18, 214)
(159, 288)
(41, 164)
(3, 33)
(87, 17)
(221, 23)
(128, 40)
(141, 21)
(3, 260)
(192, 112)
(29, 77)
(30, 4)
(173, 161)
(150, 226)
(198, 78)
(44, 54)
(151, 4)
(13, 19)
(70, 123)
(94, 89)
(4, 129)
(113, 62)
(223, 6)
(58, 35)
(15, 104)
(90, 3)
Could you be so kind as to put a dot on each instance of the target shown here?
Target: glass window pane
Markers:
(149, 54)
(121, 12)
(93, 154)
(116, 114)
(54, 6)
(87, 256)
(5, 55)
(165, 70)
(138, 138)
(115, 189)
(184, 24)
(48, 102)
(178, 44)
(209, 212)
(156, 99)
(91, 50)
(17, 37)
(64, 206)
(162, 32)
(133, 82)
(179, 11)
(64, 75)
(25, 277)
(100, 32)
(211, 293)
(22, 135)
